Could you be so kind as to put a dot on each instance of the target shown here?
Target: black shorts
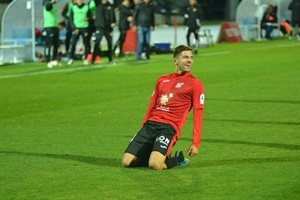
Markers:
(153, 136)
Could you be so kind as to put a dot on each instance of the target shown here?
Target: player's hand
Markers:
(192, 151)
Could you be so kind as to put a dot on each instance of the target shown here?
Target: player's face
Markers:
(184, 62)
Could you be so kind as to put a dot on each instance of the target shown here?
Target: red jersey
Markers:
(174, 96)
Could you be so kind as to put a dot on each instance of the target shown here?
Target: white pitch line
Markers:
(54, 71)
(216, 53)
(272, 47)
(87, 67)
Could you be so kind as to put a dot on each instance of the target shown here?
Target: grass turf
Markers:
(63, 130)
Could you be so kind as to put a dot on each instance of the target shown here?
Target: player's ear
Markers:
(175, 61)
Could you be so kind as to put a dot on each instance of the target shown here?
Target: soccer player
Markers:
(192, 19)
(51, 32)
(174, 96)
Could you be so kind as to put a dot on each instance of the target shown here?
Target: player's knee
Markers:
(153, 164)
(126, 162)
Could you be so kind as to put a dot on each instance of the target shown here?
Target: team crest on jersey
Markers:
(179, 85)
(165, 98)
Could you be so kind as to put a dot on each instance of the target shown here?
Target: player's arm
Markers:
(197, 130)
(198, 104)
(72, 20)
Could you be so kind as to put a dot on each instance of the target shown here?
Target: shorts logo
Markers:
(163, 140)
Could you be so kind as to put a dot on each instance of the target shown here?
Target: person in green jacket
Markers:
(80, 16)
(51, 32)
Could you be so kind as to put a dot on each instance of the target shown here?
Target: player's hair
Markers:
(180, 49)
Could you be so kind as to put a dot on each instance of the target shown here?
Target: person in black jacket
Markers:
(125, 17)
(192, 19)
(105, 21)
(144, 20)
(294, 6)
(66, 14)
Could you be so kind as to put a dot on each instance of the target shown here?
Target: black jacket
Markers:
(105, 15)
(124, 13)
(144, 15)
(295, 8)
(192, 15)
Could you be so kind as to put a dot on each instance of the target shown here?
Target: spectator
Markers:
(51, 32)
(294, 6)
(105, 21)
(192, 19)
(80, 16)
(268, 20)
(125, 17)
(143, 21)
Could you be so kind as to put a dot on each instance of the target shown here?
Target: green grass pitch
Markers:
(63, 130)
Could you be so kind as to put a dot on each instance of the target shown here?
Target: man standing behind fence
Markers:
(66, 14)
(144, 20)
(51, 32)
(192, 19)
(125, 17)
(295, 8)
(105, 21)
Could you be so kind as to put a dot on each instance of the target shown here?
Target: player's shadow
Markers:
(243, 161)
(256, 101)
(109, 162)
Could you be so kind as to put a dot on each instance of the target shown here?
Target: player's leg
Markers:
(140, 42)
(157, 161)
(98, 35)
(129, 160)
(122, 41)
(188, 37)
(108, 36)
(75, 37)
(55, 44)
(196, 35)
(138, 151)
(85, 32)
(160, 156)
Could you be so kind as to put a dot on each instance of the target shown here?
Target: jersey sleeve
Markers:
(198, 105)
(152, 102)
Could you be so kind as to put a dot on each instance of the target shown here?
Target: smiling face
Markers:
(183, 61)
